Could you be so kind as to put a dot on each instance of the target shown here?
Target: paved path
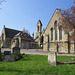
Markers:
(35, 51)
(40, 52)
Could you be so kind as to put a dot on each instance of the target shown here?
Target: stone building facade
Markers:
(23, 40)
(6, 37)
(12, 38)
(54, 38)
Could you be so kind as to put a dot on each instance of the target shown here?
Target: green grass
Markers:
(37, 65)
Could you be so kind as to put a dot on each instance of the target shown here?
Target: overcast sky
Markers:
(17, 14)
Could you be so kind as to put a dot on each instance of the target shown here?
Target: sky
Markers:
(19, 14)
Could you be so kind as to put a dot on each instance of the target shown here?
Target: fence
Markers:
(27, 45)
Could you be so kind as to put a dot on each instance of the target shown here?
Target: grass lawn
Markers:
(37, 65)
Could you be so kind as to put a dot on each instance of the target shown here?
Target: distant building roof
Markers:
(11, 32)
(24, 36)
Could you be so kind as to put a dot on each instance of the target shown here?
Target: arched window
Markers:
(55, 30)
(51, 33)
(60, 33)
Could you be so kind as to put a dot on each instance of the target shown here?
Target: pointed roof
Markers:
(39, 22)
(11, 32)
(24, 36)
(52, 17)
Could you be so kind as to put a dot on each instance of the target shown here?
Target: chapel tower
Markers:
(39, 32)
(39, 29)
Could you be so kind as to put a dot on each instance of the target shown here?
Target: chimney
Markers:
(33, 35)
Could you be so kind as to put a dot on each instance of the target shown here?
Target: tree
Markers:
(1, 1)
(26, 31)
(68, 21)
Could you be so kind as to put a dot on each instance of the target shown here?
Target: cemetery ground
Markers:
(37, 65)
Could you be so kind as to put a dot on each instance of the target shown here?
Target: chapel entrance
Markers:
(41, 42)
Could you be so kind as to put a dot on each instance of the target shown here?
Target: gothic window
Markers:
(51, 33)
(56, 30)
(60, 33)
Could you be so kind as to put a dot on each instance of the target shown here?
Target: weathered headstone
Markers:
(52, 58)
(9, 58)
(7, 52)
(15, 50)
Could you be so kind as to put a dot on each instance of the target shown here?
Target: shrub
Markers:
(17, 56)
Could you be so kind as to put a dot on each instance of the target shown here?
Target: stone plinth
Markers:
(52, 58)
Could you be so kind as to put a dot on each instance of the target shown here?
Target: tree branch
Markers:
(1, 1)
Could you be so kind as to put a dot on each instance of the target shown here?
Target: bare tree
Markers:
(1, 1)
(68, 21)
(26, 31)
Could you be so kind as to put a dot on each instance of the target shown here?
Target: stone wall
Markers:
(71, 48)
(53, 47)
(8, 43)
(62, 47)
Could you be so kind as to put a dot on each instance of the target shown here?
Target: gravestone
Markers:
(52, 58)
(15, 50)
(9, 58)
(7, 52)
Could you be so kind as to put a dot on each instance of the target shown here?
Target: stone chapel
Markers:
(54, 38)
(11, 38)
